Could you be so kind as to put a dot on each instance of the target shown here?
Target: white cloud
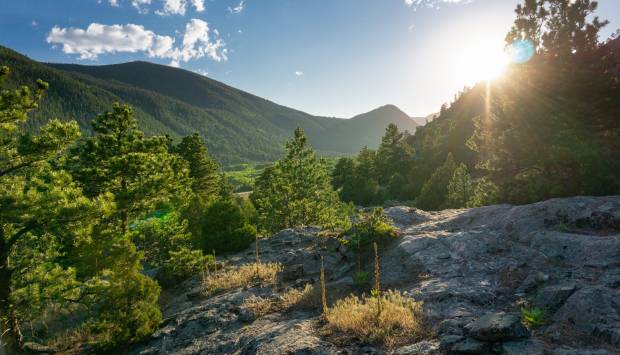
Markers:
(34, 23)
(99, 39)
(173, 7)
(113, 2)
(433, 3)
(237, 9)
(299, 73)
(140, 5)
(199, 5)
(197, 44)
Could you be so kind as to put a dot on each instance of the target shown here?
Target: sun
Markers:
(480, 60)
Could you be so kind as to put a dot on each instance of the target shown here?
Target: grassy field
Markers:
(242, 176)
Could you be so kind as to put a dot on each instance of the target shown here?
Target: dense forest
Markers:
(96, 220)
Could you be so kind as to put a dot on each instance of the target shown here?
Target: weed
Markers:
(533, 317)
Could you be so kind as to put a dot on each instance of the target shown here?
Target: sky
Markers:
(325, 57)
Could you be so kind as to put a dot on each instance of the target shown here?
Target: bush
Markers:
(226, 227)
(186, 262)
(372, 227)
(400, 321)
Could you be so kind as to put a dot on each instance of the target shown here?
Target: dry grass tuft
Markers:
(240, 276)
(400, 321)
(258, 306)
(289, 300)
(299, 299)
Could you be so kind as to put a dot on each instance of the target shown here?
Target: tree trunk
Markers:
(9, 334)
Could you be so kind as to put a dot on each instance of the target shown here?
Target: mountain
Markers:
(362, 129)
(236, 126)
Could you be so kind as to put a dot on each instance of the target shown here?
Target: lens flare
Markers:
(520, 51)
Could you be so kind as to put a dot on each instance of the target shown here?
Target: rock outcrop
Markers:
(475, 270)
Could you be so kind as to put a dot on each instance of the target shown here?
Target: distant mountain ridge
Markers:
(236, 126)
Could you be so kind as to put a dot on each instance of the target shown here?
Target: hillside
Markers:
(236, 126)
(474, 269)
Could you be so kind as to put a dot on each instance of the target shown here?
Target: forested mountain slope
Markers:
(235, 125)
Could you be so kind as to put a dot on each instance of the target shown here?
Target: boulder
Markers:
(498, 326)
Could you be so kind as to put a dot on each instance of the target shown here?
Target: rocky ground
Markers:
(474, 270)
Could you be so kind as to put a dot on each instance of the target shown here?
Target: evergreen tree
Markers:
(207, 183)
(343, 172)
(203, 170)
(435, 191)
(144, 178)
(393, 155)
(139, 171)
(296, 191)
(460, 188)
(40, 210)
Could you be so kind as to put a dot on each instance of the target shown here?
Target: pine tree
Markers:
(393, 155)
(38, 205)
(203, 170)
(139, 171)
(146, 181)
(296, 191)
(435, 191)
(460, 188)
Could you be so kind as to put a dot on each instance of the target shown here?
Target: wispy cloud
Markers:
(299, 73)
(435, 4)
(99, 39)
(237, 9)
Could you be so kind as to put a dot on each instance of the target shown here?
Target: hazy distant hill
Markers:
(351, 135)
(237, 126)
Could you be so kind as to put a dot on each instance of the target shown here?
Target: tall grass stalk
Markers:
(323, 290)
(377, 289)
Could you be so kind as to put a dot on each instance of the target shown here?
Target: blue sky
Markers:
(326, 57)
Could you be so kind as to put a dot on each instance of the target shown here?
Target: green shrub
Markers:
(226, 227)
(372, 227)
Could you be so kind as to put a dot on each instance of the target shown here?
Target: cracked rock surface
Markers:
(474, 269)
